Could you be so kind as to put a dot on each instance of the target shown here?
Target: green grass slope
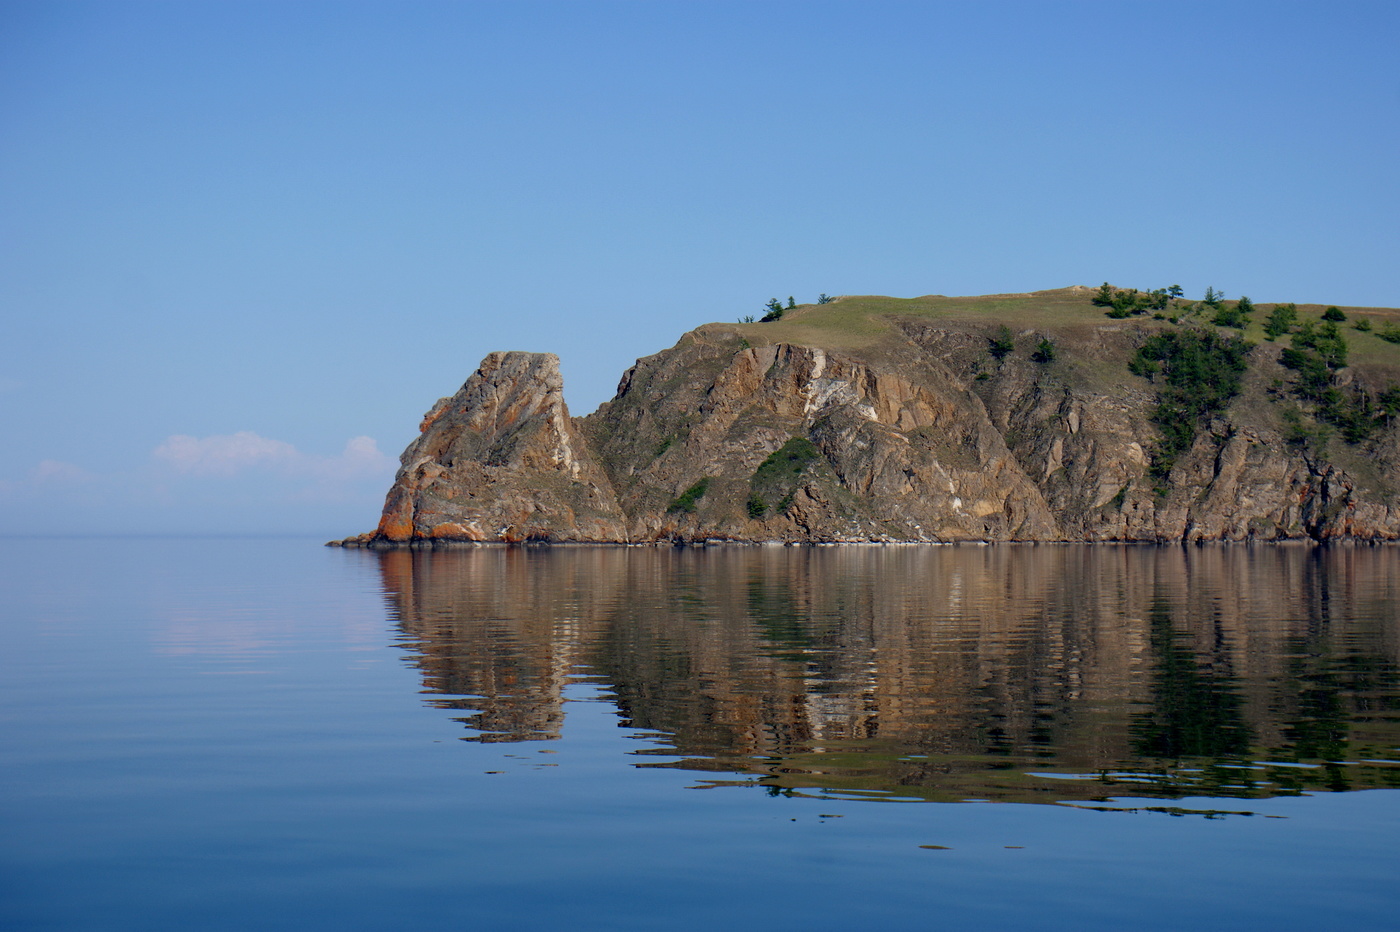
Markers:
(1067, 315)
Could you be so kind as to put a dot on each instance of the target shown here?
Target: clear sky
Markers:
(244, 246)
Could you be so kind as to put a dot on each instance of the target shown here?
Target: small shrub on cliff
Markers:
(1313, 374)
(1389, 333)
(1334, 314)
(756, 506)
(1237, 316)
(1354, 412)
(775, 311)
(1389, 403)
(685, 502)
(1325, 340)
(1002, 343)
(1128, 303)
(1044, 351)
(1297, 433)
(1281, 319)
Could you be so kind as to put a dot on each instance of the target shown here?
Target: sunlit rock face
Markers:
(919, 436)
(501, 460)
(906, 452)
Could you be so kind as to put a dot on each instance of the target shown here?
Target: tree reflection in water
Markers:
(1197, 710)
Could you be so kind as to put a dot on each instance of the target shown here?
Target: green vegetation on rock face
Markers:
(1198, 372)
(776, 478)
(1213, 307)
(1237, 316)
(1316, 353)
(685, 502)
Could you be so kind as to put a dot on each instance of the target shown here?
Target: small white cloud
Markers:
(58, 471)
(361, 457)
(40, 481)
(223, 454)
(231, 454)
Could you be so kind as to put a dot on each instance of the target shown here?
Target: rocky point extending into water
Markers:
(1002, 418)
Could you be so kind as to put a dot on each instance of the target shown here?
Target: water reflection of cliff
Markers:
(942, 672)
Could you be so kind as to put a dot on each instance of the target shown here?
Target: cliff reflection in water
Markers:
(936, 672)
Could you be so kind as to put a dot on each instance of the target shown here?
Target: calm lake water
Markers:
(269, 734)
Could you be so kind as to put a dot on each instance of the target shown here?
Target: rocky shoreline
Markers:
(372, 542)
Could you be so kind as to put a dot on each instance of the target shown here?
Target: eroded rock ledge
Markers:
(917, 441)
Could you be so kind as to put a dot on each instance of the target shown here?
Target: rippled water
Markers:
(270, 734)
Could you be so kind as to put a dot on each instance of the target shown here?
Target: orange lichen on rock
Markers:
(396, 524)
(451, 530)
(396, 530)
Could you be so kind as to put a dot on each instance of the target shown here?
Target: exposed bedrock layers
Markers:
(920, 441)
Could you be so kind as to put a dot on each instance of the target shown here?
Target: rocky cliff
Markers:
(501, 460)
(880, 420)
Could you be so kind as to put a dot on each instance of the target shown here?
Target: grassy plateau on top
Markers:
(859, 321)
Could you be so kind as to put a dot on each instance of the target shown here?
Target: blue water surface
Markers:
(235, 734)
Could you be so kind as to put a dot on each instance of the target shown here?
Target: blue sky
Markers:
(243, 246)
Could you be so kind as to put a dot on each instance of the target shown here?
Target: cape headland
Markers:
(1076, 414)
